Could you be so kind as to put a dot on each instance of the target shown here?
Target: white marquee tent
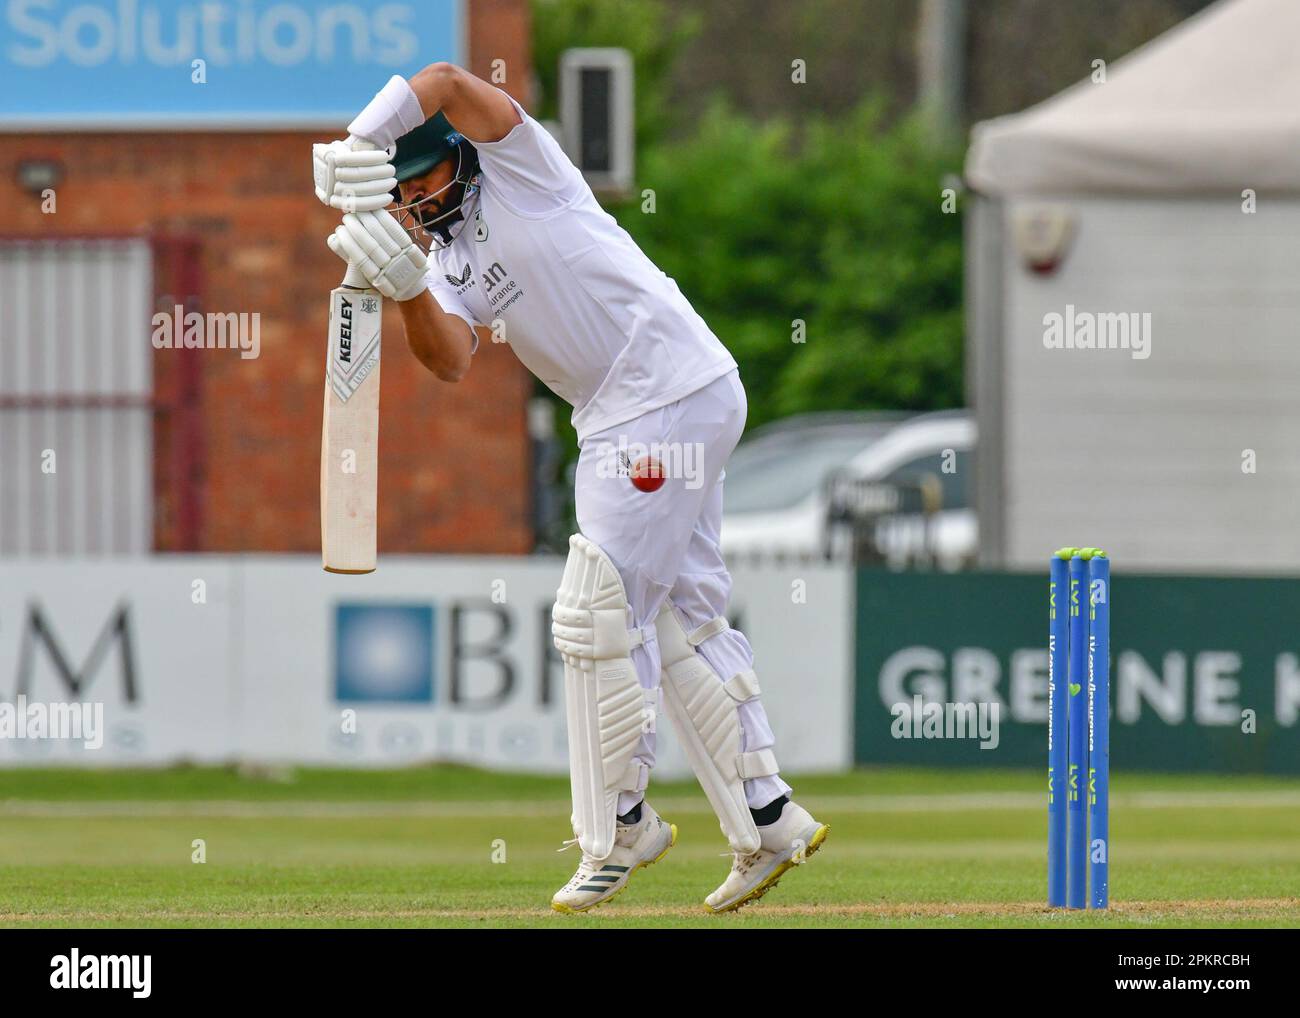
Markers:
(1172, 191)
(1213, 103)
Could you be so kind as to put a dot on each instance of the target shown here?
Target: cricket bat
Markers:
(349, 457)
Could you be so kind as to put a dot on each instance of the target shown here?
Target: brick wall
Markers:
(454, 459)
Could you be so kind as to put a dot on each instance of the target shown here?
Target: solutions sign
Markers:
(123, 63)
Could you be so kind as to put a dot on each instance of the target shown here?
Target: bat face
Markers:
(349, 462)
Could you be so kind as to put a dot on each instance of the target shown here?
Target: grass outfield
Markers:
(907, 848)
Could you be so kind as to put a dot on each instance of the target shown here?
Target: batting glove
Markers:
(352, 180)
(383, 252)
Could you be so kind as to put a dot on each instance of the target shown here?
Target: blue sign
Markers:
(211, 63)
(383, 653)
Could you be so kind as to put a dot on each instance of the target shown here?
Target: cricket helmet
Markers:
(431, 219)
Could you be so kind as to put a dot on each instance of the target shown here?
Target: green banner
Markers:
(952, 669)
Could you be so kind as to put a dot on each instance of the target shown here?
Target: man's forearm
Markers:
(441, 342)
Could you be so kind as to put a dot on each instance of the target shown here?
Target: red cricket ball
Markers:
(648, 474)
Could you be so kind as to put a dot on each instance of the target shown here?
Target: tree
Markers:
(838, 225)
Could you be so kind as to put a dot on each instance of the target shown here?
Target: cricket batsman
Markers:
(465, 210)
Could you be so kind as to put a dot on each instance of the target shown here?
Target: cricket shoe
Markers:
(787, 842)
(635, 845)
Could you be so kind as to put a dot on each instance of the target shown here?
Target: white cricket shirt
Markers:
(584, 309)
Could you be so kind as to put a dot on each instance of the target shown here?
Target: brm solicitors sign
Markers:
(127, 640)
(37, 719)
(38, 638)
(216, 658)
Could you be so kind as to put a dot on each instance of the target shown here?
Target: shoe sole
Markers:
(769, 882)
(576, 910)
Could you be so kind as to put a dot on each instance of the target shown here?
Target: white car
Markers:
(778, 488)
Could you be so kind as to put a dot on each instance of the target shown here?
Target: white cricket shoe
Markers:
(788, 842)
(635, 845)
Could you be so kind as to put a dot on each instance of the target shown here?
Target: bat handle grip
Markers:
(354, 277)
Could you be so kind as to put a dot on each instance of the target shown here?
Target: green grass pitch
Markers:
(454, 847)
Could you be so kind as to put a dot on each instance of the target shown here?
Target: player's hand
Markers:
(350, 180)
(383, 252)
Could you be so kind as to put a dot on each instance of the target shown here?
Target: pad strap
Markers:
(713, 627)
(641, 637)
(758, 764)
(743, 686)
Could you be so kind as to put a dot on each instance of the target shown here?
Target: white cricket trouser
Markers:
(665, 543)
